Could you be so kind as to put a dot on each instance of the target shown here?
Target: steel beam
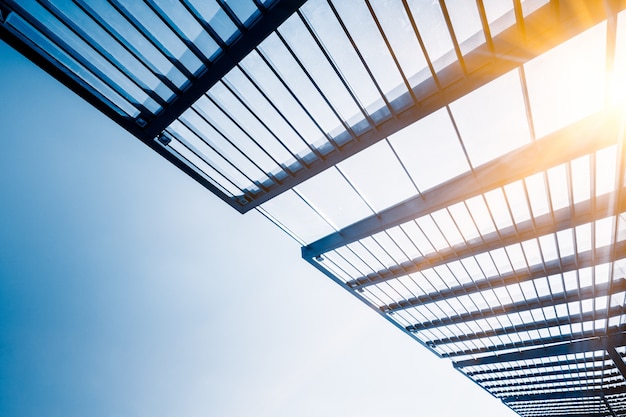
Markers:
(579, 346)
(585, 259)
(555, 322)
(616, 358)
(565, 394)
(562, 219)
(525, 305)
(579, 139)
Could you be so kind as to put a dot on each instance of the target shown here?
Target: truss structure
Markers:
(456, 165)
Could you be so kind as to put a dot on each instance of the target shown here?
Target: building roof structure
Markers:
(456, 165)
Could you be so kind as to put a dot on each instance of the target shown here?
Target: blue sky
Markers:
(126, 289)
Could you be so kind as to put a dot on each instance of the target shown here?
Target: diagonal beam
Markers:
(579, 139)
(555, 322)
(559, 266)
(565, 394)
(542, 374)
(616, 358)
(562, 219)
(562, 380)
(526, 305)
(578, 346)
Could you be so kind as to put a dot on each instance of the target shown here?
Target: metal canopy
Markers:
(457, 166)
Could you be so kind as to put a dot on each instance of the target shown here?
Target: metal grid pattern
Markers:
(455, 165)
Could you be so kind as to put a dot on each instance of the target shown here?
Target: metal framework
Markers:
(408, 148)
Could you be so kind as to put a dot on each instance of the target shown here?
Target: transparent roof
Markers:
(457, 166)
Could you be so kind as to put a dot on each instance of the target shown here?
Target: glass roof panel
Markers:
(422, 147)
(211, 13)
(559, 187)
(563, 88)
(324, 76)
(500, 15)
(492, 119)
(249, 125)
(333, 197)
(378, 176)
(360, 22)
(161, 33)
(466, 24)
(395, 22)
(617, 86)
(605, 170)
(516, 197)
(248, 92)
(296, 215)
(245, 10)
(434, 31)
(263, 77)
(328, 29)
(581, 184)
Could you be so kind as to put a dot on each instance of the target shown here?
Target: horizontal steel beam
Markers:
(554, 322)
(562, 219)
(585, 259)
(543, 341)
(574, 378)
(565, 394)
(578, 346)
(526, 305)
(587, 363)
(542, 374)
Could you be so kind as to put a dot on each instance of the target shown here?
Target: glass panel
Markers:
(289, 209)
(142, 47)
(423, 146)
(434, 31)
(492, 119)
(245, 10)
(516, 196)
(394, 20)
(581, 176)
(331, 195)
(559, 187)
(464, 221)
(466, 24)
(617, 79)
(289, 70)
(605, 170)
(448, 227)
(536, 187)
(161, 34)
(334, 39)
(249, 125)
(214, 115)
(249, 94)
(309, 53)
(378, 176)
(562, 87)
(480, 214)
(214, 16)
(276, 92)
(186, 25)
(500, 15)
(499, 209)
(200, 166)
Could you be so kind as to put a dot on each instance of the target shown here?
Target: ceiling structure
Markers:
(456, 165)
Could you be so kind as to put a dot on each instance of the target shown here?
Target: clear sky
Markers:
(126, 289)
